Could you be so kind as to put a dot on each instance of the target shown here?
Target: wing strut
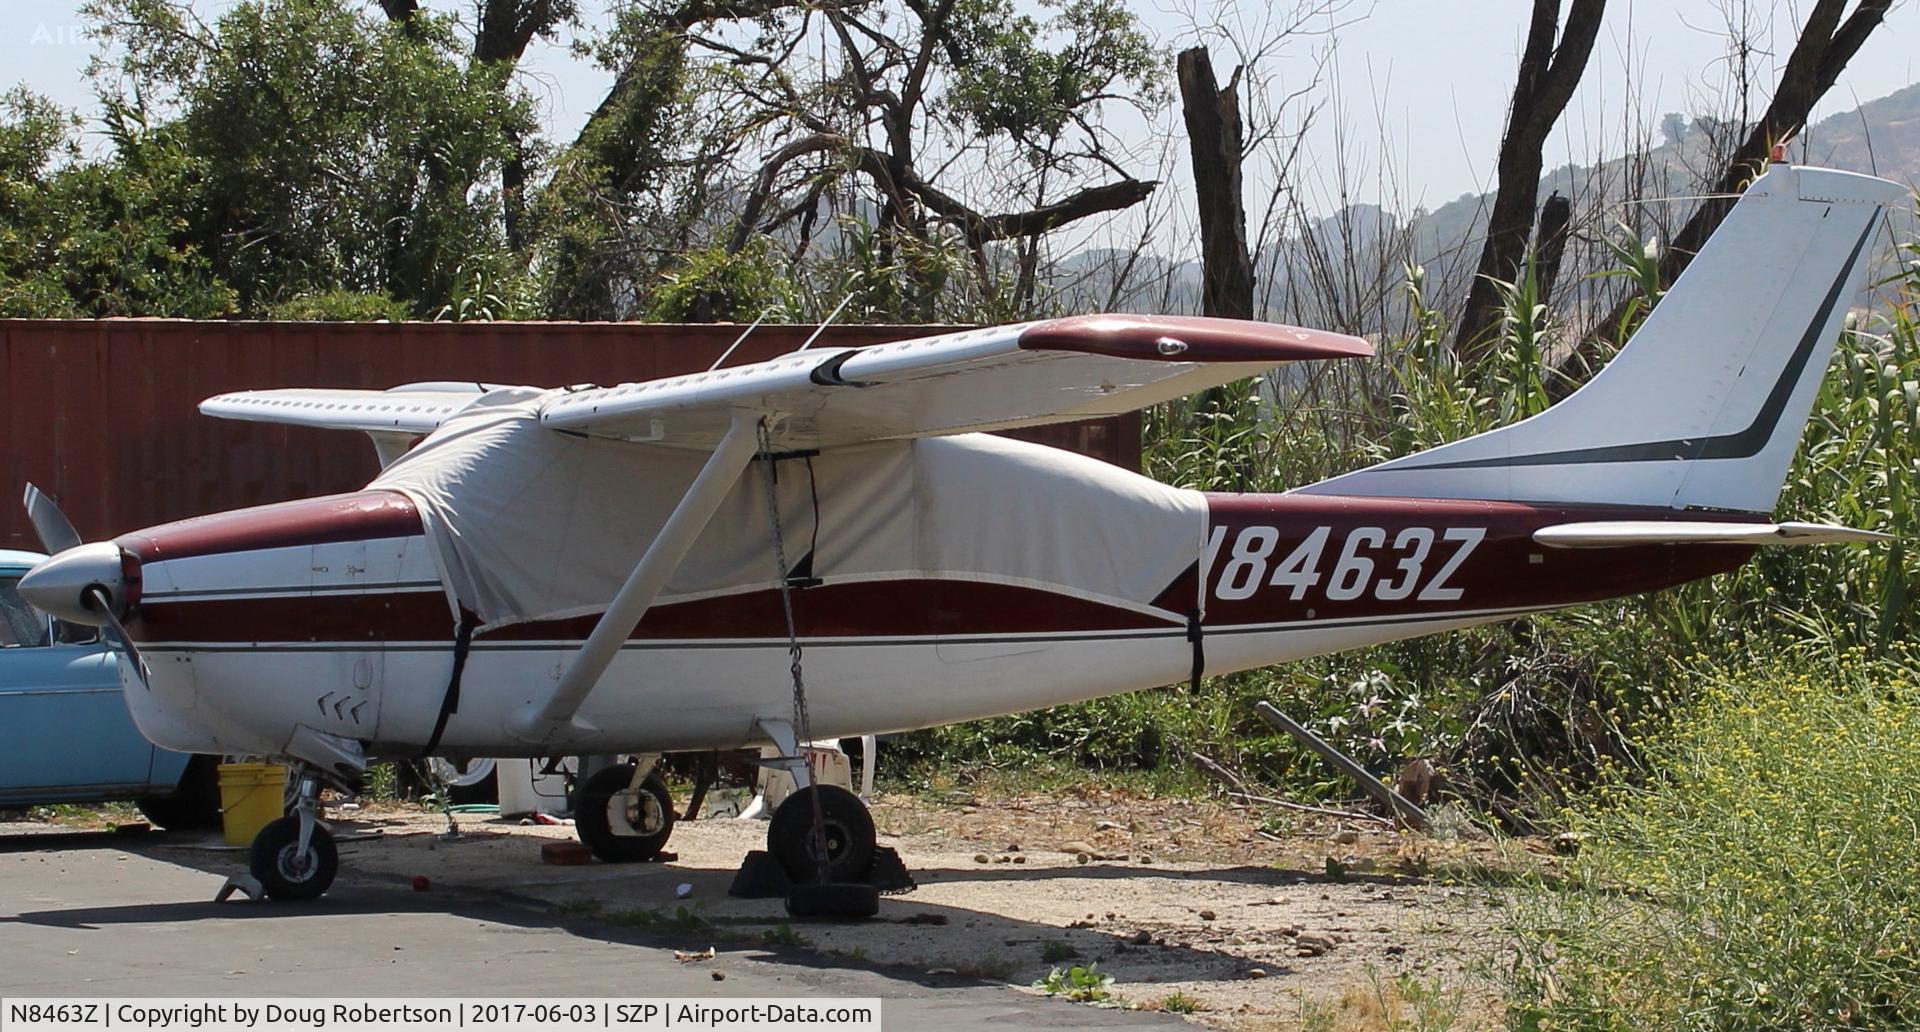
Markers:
(552, 719)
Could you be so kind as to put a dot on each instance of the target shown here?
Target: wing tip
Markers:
(1181, 338)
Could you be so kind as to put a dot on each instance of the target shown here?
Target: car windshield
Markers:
(21, 625)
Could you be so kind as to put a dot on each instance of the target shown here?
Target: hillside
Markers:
(1371, 245)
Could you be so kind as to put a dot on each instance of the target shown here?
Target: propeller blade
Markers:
(100, 602)
(56, 532)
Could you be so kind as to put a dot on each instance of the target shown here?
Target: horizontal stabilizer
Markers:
(1625, 533)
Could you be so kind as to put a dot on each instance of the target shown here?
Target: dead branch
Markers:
(1545, 82)
(1215, 138)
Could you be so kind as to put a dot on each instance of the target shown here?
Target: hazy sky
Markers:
(1413, 77)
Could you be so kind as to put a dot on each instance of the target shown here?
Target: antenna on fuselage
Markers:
(731, 348)
(822, 328)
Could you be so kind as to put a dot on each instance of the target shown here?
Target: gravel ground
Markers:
(1186, 901)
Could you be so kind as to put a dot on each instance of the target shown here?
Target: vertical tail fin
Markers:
(1705, 405)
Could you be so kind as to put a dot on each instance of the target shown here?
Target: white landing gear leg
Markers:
(819, 833)
(791, 759)
(294, 857)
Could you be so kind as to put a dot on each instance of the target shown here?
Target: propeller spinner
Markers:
(92, 584)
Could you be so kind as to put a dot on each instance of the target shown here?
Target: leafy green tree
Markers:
(965, 120)
(334, 150)
(95, 238)
(614, 214)
(714, 284)
(859, 142)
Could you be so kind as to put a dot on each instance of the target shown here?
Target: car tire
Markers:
(195, 802)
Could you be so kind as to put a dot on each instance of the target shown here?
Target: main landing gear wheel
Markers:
(621, 823)
(283, 870)
(849, 830)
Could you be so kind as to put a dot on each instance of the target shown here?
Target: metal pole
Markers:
(1413, 815)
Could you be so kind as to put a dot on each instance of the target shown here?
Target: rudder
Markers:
(1704, 406)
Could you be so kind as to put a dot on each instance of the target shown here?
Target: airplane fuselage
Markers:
(330, 614)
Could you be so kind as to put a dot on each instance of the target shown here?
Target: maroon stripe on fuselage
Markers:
(1506, 569)
(362, 515)
(895, 608)
(409, 616)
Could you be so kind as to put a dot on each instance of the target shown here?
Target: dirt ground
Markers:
(1185, 903)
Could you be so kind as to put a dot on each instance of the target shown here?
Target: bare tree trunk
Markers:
(1822, 53)
(1214, 134)
(1546, 80)
(1825, 46)
(1550, 244)
(507, 28)
(401, 12)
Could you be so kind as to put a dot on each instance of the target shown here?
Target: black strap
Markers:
(1197, 637)
(450, 703)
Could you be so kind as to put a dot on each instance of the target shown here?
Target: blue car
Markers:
(65, 735)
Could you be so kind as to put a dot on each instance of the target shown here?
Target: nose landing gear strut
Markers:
(293, 857)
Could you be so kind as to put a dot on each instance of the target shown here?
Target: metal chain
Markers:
(802, 727)
(803, 730)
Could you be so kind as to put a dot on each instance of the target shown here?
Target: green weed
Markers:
(1079, 984)
(1180, 1003)
(783, 935)
(1403, 1004)
(1755, 872)
(681, 920)
(992, 967)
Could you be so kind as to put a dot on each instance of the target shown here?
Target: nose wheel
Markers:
(293, 857)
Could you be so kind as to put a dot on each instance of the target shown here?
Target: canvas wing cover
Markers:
(991, 379)
(533, 525)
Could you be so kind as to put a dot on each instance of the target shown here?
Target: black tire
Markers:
(444, 774)
(274, 865)
(195, 802)
(835, 900)
(624, 827)
(487, 790)
(850, 836)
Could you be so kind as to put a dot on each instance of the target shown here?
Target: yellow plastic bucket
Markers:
(251, 795)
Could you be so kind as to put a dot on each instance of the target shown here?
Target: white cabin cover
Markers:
(530, 523)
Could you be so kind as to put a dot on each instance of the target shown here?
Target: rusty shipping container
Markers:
(101, 414)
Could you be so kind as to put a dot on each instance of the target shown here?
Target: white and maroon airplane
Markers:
(592, 570)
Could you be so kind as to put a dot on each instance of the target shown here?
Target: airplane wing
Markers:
(413, 409)
(988, 379)
(1624, 533)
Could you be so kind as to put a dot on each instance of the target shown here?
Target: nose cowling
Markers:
(68, 585)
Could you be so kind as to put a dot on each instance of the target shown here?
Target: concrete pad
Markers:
(82, 920)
